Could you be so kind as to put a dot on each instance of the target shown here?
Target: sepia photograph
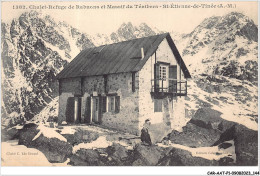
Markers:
(129, 84)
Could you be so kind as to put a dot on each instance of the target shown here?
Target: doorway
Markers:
(73, 110)
(77, 112)
(163, 75)
(95, 109)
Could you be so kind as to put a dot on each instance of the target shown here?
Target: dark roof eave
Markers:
(178, 57)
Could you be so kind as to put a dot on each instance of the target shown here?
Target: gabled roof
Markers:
(119, 57)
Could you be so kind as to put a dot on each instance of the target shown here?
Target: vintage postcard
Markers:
(129, 83)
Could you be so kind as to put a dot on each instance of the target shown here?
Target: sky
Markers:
(104, 20)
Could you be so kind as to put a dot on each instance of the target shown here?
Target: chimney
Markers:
(142, 52)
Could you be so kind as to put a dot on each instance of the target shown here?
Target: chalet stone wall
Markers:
(127, 119)
(179, 118)
(173, 109)
(93, 83)
(70, 85)
(121, 84)
(160, 121)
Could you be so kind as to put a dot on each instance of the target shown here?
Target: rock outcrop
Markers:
(55, 150)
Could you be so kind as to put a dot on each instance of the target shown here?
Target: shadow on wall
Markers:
(159, 131)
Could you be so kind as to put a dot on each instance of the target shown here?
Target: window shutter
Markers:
(156, 77)
(88, 110)
(104, 105)
(100, 109)
(117, 104)
(70, 110)
(79, 110)
(133, 82)
(172, 75)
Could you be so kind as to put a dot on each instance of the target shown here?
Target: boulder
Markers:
(179, 157)
(147, 155)
(246, 144)
(224, 145)
(210, 119)
(28, 132)
(226, 161)
(194, 136)
(10, 133)
(6, 123)
(55, 150)
(86, 157)
(117, 153)
(171, 159)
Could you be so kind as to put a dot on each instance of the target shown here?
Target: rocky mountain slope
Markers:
(127, 32)
(225, 46)
(34, 49)
(221, 54)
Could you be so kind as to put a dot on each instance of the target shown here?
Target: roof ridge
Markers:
(166, 33)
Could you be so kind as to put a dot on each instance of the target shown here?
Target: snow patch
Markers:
(49, 133)
(67, 130)
(101, 142)
(210, 153)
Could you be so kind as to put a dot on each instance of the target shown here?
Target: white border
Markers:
(97, 170)
(131, 170)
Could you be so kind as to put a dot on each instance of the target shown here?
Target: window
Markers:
(113, 104)
(110, 103)
(163, 72)
(157, 105)
(161, 75)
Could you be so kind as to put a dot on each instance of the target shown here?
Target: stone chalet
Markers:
(121, 85)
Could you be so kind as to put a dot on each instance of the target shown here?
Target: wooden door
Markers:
(95, 109)
(79, 110)
(88, 110)
(70, 110)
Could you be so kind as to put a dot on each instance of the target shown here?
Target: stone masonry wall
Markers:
(161, 122)
(121, 84)
(127, 119)
(70, 85)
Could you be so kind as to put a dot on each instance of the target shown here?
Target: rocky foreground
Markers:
(89, 146)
